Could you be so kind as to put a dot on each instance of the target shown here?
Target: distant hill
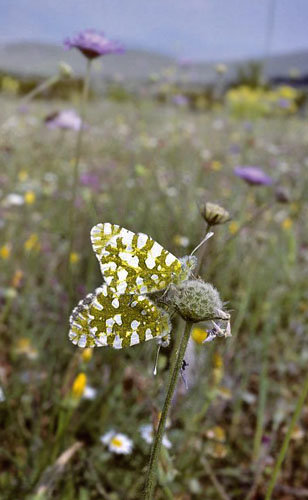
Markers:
(38, 59)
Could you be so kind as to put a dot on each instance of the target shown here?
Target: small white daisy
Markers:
(117, 442)
(146, 432)
(14, 199)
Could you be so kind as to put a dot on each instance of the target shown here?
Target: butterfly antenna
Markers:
(156, 360)
(207, 236)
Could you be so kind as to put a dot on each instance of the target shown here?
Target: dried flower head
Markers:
(197, 301)
(93, 44)
(214, 214)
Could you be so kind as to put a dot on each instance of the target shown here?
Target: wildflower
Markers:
(24, 347)
(216, 165)
(221, 68)
(29, 197)
(67, 119)
(93, 44)
(287, 224)
(87, 354)
(199, 335)
(79, 385)
(146, 432)
(14, 199)
(181, 241)
(89, 392)
(253, 176)
(10, 85)
(117, 443)
(217, 450)
(217, 433)
(17, 278)
(197, 301)
(74, 257)
(282, 195)
(23, 175)
(32, 243)
(233, 227)
(2, 396)
(218, 370)
(214, 214)
(65, 70)
(5, 251)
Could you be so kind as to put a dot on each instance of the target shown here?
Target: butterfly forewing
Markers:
(108, 319)
(133, 263)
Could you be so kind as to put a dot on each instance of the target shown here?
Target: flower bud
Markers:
(214, 214)
(282, 195)
(65, 70)
(197, 301)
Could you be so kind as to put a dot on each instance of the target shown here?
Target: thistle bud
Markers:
(197, 301)
(214, 214)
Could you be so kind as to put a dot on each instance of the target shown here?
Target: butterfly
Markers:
(120, 313)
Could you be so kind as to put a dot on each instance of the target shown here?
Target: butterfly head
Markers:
(188, 264)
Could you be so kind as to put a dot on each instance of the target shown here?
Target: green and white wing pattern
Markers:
(133, 263)
(105, 318)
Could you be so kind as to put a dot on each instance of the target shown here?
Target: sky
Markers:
(192, 29)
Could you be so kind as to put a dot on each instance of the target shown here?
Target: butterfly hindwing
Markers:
(108, 319)
(133, 263)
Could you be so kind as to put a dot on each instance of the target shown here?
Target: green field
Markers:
(150, 168)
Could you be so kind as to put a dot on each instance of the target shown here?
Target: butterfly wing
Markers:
(108, 319)
(133, 263)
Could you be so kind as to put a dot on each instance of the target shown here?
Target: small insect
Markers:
(119, 313)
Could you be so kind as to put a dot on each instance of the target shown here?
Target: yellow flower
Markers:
(74, 257)
(233, 227)
(199, 334)
(32, 243)
(23, 346)
(17, 278)
(287, 224)
(10, 85)
(216, 165)
(217, 433)
(23, 175)
(5, 251)
(29, 197)
(87, 354)
(79, 385)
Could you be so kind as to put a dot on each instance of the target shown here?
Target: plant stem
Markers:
(84, 99)
(152, 470)
(40, 88)
(285, 444)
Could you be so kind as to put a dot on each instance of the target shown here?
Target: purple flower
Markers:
(93, 44)
(66, 119)
(91, 180)
(180, 100)
(253, 175)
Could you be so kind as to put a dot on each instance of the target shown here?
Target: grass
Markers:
(149, 168)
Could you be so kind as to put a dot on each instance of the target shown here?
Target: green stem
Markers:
(40, 88)
(84, 99)
(152, 470)
(285, 444)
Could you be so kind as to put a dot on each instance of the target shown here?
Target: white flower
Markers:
(89, 392)
(14, 199)
(117, 442)
(146, 432)
(2, 396)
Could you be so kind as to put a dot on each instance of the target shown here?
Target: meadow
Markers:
(150, 168)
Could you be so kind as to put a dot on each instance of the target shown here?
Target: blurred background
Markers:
(206, 104)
